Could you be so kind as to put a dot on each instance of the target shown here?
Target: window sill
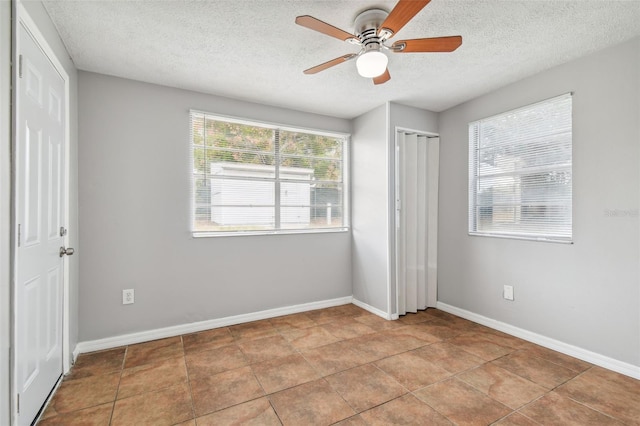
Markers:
(522, 237)
(273, 232)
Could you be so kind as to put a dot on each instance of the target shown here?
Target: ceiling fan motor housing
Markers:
(366, 28)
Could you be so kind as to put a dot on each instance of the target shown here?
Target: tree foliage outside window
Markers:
(520, 172)
(250, 177)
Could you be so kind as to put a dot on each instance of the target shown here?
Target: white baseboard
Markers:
(556, 345)
(371, 309)
(177, 330)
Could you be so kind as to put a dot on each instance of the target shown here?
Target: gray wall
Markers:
(369, 208)
(135, 219)
(585, 294)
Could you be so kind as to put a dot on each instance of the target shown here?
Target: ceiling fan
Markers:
(373, 28)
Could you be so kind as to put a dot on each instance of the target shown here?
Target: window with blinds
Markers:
(253, 178)
(520, 165)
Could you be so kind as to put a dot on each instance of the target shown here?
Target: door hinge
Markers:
(20, 66)
(18, 403)
(19, 234)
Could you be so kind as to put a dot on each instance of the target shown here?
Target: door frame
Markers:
(394, 195)
(22, 17)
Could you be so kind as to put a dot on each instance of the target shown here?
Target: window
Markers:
(520, 173)
(253, 178)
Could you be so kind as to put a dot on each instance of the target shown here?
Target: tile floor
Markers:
(343, 366)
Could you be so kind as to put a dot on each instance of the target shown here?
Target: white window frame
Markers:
(518, 231)
(346, 198)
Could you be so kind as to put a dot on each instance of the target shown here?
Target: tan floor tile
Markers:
(478, 344)
(143, 353)
(441, 329)
(206, 363)
(365, 387)
(207, 340)
(377, 323)
(153, 376)
(223, 390)
(458, 323)
(350, 310)
(49, 411)
(292, 322)
(97, 363)
(332, 358)
(253, 330)
(283, 373)
(412, 371)
(415, 331)
(402, 339)
(608, 392)
(415, 318)
(86, 392)
(265, 349)
(553, 409)
(562, 360)
(165, 407)
(444, 316)
(437, 313)
(516, 419)
(449, 357)
(313, 403)
(406, 410)
(503, 339)
(309, 337)
(94, 416)
(373, 347)
(543, 372)
(352, 421)
(325, 316)
(415, 352)
(347, 328)
(253, 413)
(502, 385)
(461, 403)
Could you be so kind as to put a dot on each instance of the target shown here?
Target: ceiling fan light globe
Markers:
(372, 64)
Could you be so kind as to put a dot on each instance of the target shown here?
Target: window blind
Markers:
(520, 172)
(257, 178)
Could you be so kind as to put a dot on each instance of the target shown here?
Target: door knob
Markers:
(68, 251)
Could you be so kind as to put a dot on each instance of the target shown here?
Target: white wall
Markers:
(5, 209)
(585, 294)
(135, 219)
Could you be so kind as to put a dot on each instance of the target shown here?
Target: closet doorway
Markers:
(416, 219)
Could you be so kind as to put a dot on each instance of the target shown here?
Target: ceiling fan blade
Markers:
(322, 27)
(383, 78)
(330, 64)
(436, 44)
(400, 15)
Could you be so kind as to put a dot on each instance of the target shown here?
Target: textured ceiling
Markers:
(253, 50)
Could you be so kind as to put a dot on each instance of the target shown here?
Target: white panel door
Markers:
(40, 166)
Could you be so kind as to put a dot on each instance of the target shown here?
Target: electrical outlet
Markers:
(128, 296)
(508, 292)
